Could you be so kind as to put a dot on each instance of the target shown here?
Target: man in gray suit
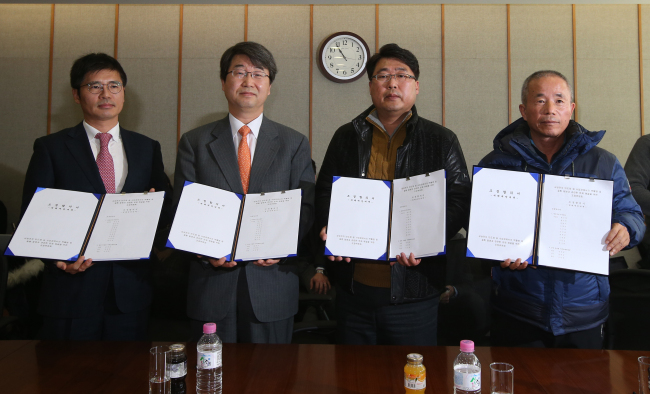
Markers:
(251, 301)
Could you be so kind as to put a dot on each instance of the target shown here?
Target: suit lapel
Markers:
(223, 153)
(265, 151)
(80, 150)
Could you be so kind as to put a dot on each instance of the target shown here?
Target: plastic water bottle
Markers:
(208, 363)
(467, 370)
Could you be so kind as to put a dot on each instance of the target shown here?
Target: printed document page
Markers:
(125, 227)
(269, 226)
(358, 218)
(418, 219)
(205, 221)
(503, 214)
(575, 220)
(54, 225)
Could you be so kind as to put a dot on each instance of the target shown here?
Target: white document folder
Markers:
(547, 220)
(63, 224)
(377, 220)
(218, 223)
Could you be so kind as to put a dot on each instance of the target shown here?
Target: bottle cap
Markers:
(177, 347)
(466, 346)
(414, 358)
(211, 328)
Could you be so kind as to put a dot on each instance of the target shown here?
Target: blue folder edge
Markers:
(292, 255)
(444, 251)
(228, 257)
(240, 197)
(469, 253)
(187, 183)
(327, 252)
(530, 260)
(535, 176)
(97, 195)
(169, 244)
(8, 252)
(335, 178)
(476, 169)
(387, 183)
(38, 189)
(73, 258)
(383, 256)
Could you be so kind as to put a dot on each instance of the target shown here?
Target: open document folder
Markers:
(377, 220)
(63, 225)
(218, 223)
(548, 220)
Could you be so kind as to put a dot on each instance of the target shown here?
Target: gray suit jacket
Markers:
(282, 161)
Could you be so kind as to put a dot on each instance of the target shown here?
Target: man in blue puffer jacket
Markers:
(545, 307)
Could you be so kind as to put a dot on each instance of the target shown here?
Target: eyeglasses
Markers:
(239, 74)
(381, 78)
(96, 87)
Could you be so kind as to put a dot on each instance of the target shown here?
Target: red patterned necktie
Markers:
(105, 162)
(244, 158)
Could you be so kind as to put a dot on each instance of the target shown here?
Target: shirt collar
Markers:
(372, 116)
(92, 132)
(254, 125)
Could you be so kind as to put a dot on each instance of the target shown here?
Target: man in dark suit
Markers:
(108, 300)
(246, 152)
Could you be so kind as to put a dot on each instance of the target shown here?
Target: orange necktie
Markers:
(244, 158)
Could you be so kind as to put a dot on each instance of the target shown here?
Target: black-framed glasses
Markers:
(241, 74)
(96, 87)
(401, 77)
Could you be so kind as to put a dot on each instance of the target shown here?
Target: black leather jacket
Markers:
(427, 147)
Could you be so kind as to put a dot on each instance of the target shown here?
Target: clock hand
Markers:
(346, 59)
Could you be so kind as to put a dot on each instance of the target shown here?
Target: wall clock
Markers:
(342, 57)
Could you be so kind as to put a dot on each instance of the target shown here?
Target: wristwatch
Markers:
(320, 270)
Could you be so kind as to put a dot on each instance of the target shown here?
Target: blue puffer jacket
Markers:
(561, 301)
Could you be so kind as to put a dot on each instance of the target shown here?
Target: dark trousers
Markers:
(508, 331)
(241, 325)
(368, 318)
(111, 324)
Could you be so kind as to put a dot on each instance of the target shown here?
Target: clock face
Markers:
(343, 57)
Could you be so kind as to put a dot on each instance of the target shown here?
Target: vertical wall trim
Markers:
(641, 71)
(49, 78)
(311, 71)
(245, 22)
(376, 28)
(117, 24)
(180, 76)
(442, 50)
(575, 65)
(509, 70)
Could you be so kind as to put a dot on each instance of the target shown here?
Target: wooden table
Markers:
(121, 367)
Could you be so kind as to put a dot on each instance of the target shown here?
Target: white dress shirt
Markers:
(254, 125)
(115, 148)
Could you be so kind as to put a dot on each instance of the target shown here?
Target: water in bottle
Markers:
(467, 370)
(208, 363)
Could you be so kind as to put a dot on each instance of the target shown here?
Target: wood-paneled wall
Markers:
(473, 59)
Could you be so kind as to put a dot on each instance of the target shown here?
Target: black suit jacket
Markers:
(64, 160)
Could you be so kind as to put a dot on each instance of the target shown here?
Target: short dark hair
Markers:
(92, 63)
(393, 51)
(257, 53)
(542, 74)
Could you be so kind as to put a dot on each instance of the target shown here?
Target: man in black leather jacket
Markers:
(397, 303)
